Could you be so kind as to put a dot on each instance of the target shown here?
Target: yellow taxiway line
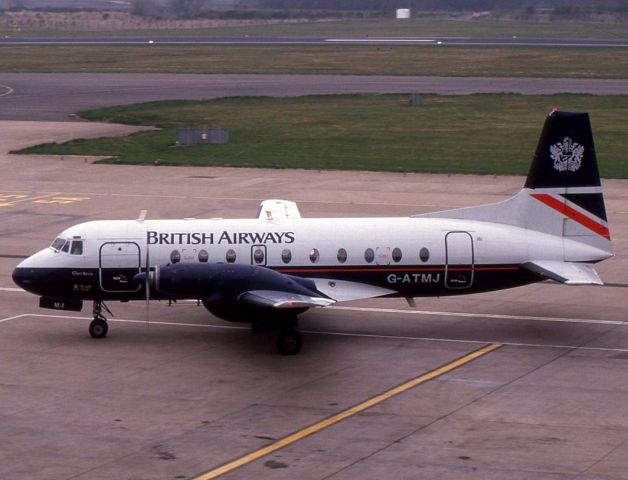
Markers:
(327, 422)
(9, 200)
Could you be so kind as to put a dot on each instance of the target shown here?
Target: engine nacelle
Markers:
(219, 285)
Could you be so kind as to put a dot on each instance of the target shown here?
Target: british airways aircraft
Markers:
(268, 270)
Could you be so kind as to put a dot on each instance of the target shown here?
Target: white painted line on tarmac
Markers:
(336, 334)
(8, 90)
(11, 289)
(126, 320)
(2, 320)
(380, 40)
(430, 313)
(455, 340)
(480, 315)
(176, 324)
(427, 313)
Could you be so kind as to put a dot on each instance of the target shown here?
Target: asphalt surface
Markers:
(56, 96)
(187, 392)
(295, 40)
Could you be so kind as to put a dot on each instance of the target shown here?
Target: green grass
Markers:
(387, 27)
(321, 59)
(487, 134)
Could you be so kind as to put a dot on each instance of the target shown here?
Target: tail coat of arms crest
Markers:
(567, 155)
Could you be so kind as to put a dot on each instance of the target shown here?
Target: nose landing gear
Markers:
(98, 327)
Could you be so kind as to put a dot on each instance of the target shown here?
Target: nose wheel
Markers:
(98, 327)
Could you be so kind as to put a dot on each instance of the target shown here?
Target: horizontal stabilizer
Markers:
(565, 272)
(277, 299)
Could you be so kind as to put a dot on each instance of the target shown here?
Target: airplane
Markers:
(268, 270)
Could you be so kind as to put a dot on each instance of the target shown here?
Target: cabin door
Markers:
(459, 266)
(119, 262)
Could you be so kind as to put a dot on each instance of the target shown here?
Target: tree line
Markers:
(252, 8)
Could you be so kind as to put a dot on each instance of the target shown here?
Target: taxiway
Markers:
(57, 96)
(174, 393)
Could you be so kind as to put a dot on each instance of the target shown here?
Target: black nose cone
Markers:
(24, 278)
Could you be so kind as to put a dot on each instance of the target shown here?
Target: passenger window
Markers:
(286, 255)
(424, 254)
(175, 256)
(258, 256)
(314, 255)
(369, 255)
(231, 256)
(203, 256)
(77, 247)
(396, 255)
(66, 247)
(342, 255)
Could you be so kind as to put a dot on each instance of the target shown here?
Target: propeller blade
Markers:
(147, 285)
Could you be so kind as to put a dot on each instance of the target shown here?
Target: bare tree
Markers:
(144, 8)
(187, 8)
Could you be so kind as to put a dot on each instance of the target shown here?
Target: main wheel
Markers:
(289, 342)
(98, 328)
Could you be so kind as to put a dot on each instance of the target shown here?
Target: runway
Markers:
(304, 40)
(528, 383)
(59, 96)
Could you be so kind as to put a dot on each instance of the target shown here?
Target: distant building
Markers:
(403, 13)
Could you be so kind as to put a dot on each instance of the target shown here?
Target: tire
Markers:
(289, 342)
(98, 328)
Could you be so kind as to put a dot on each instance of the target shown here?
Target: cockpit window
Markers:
(66, 247)
(77, 247)
(57, 244)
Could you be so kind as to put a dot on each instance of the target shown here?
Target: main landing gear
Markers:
(288, 339)
(98, 327)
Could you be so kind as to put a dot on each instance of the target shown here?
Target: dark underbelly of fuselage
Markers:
(401, 281)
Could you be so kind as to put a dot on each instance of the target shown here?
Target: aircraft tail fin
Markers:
(562, 194)
(565, 154)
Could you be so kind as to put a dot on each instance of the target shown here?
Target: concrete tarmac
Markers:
(186, 393)
(57, 96)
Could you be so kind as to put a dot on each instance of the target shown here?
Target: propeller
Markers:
(147, 286)
(145, 276)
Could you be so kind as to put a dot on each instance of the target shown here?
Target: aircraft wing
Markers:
(343, 291)
(570, 273)
(278, 299)
(222, 286)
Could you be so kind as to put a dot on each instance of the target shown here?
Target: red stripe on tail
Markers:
(573, 214)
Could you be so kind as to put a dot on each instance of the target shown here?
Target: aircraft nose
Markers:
(24, 277)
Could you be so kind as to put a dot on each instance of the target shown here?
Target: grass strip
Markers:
(440, 60)
(481, 134)
(383, 27)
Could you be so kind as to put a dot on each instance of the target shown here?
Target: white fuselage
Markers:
(348, 258)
